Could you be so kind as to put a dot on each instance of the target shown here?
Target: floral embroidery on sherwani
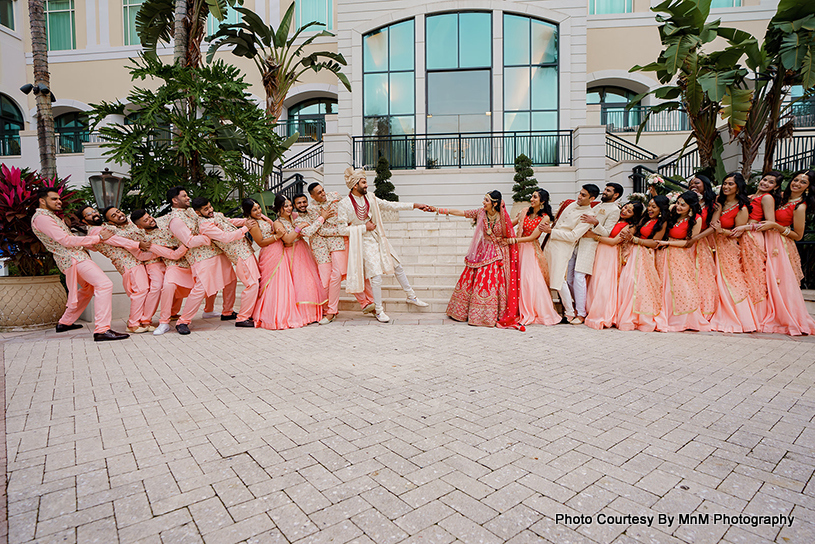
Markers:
(237, 250)
(62, 255)
(194, 254)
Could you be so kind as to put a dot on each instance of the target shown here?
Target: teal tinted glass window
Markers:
(7, 14)
(230, 17)
(442, 41)
(531, 77)
(72, 132)
(321, 11)
(129, 10)
(388, 81)
(725, 3)
(459, 40)
(601, 7)
(11, 123)
(60, 24)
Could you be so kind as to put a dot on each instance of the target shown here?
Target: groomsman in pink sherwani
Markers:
(154, 266)
(210, 267)
(72, 258)
(331, 251)
(229, 235)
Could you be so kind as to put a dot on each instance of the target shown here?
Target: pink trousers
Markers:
(249, 274)
(91, 281)
(199, 293)
(155, 274)
(177, 284)
(137, 287)
(331, 274)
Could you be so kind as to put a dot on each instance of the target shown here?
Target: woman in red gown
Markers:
(640, 290)
(601, 298)
(735, 311)
(704, 248)
(680, 289)
(787, 309)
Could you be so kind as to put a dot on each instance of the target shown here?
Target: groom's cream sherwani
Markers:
(566, 233)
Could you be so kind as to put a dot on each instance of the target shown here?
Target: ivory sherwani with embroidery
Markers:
(566, 233)
(607, 213)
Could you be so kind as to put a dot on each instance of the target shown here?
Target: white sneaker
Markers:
(369, 309)
(382, 317)
(416, 302)
(207, 315)
(161, 329)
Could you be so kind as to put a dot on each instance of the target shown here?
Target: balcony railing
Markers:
(619, 149)
(311, 130)
(684, 165)
(72, 141)
(804, 113)
(617, 119)
(796, 152)
(407, 152)
(311, 157)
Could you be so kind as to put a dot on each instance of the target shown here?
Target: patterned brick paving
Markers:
(420, 431)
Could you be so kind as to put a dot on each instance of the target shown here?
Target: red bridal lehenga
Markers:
(535, 301)
(787, 313)
(291, 293)
(486, 294)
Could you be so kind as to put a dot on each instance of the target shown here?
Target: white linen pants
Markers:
(401, 277)
(577, 283)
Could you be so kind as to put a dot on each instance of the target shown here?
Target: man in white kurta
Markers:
(370, 254)
(602, 221)
(563, 238)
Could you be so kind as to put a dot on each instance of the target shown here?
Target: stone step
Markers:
(398, 305)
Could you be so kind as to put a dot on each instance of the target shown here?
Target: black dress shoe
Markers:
(564, 321)
(229, 317)
(66, 328)
(247, 323)
(182, 328)
(109, 334)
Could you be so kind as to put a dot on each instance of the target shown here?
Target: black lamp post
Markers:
(107, 189)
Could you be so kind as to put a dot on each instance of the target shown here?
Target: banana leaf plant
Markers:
(694, 80)
(280, 58)
(184, 22)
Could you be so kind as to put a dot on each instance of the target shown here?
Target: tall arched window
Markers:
(308, 118)
(72, 132)
(612, 101)
(11, 123)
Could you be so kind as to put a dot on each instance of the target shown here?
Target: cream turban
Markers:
(352, 177)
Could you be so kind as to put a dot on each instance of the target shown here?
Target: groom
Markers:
(370, 254)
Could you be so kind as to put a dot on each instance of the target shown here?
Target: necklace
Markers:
(733, 205)
(491, 223)
(360, 210)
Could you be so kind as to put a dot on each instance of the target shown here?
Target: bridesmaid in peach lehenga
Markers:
(752, 246)
(788, 313)
(601, 299)
(735, 311)
(680, 290)
(705, 259)
(534, 300)
(639, 295)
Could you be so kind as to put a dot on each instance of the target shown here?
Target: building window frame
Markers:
(72, 132)
(725, 4)
(52, 14)
(609, 7)
(10, 115)
(316, 5)
(231, 17)
(7, 13)
(129, 10)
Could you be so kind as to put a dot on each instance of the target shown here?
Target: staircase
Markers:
(432, 253)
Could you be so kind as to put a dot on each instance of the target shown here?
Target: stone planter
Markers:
(31, 302)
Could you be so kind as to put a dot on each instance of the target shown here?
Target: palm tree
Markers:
(45, 116)
(278, 59)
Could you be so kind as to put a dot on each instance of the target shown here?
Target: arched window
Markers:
(612, 101)
(308, 118)
(11, 123)
(72, 132)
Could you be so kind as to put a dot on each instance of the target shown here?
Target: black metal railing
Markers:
(619, 149)
(405, 152)
(796, 152)
(618, 119)
(72, 141)
(311, 130)
(290, 186)
(683, 166)
(311, 157)
(806, 249)
(639, 177)
(10, 145)
(803, 112)
(255, 168)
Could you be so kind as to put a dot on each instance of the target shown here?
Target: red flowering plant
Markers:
(18, 200)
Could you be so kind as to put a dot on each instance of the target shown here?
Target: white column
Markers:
(337, 156)
(589, 154)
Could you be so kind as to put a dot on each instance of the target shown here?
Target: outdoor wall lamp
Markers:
(38, 89)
